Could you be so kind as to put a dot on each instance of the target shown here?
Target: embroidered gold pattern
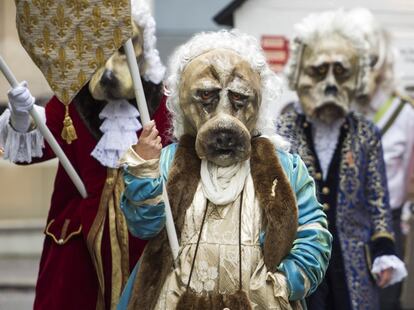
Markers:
(116, 38)
(97, 22)
(116, 6)
(60, 21)
(62, 64)
(79, 45)
(77, 6)
(27, 20)
(61, 36)
(80, 81)
(99, 60)
(43, 6)
(46, 43)
(49, 77)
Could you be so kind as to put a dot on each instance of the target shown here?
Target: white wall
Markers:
(271, 17)
(16, 57)
(263, 16)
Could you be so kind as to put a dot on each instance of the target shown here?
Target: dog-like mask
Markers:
(113, 80)
(219, 96)
(328, 78)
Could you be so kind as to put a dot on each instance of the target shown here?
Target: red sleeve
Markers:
(162, 119)
(55, 112)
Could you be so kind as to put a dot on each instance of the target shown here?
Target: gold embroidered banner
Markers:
(69, 39)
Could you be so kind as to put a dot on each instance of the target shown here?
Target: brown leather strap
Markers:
(240, 251)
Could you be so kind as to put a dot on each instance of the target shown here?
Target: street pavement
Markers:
(17, 282)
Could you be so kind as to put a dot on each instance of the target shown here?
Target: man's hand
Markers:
(149, 143)
(20, 103)
(384, 277)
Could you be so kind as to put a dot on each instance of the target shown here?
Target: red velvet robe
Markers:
(67, 275)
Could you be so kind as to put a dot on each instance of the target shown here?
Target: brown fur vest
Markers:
(273, 190)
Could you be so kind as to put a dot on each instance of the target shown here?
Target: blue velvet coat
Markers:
(304, 267)
(358, 197)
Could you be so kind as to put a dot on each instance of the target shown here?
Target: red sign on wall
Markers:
(276, 49)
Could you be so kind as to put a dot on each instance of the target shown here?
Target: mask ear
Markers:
(297, 59)
(362, 78)
(295, 77)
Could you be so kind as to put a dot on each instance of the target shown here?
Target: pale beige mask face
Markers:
(113, 80)
(220, 95)
(328, 78)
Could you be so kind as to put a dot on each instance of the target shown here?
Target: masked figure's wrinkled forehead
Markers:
(328, 78)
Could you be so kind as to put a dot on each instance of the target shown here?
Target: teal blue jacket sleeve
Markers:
(141, 201)
(306, 264)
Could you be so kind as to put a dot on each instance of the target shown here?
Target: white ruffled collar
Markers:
(119, 130)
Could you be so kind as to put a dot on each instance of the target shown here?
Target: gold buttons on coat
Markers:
(305, 125)
(325, 190)
(326, 206)
(318, 176)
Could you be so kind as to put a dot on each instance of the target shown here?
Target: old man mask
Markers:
(328, 67)
(218, 96)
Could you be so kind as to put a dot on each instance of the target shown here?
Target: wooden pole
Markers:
(145, 118)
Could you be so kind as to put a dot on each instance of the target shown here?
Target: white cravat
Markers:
(222, 185)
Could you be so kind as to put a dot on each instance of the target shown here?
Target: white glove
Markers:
(20, 103)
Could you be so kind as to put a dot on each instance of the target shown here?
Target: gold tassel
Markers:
(68, 131)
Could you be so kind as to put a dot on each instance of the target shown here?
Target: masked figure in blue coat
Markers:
(329, 65)
(252, 234)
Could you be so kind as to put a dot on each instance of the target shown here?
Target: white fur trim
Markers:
(379, 40)
(20, 147)
(244, 45)
(154, 70)
(390, 261)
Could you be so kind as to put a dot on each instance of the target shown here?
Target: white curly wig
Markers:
(377, 38)
(154, 70)
(249, 49)
(323, 25)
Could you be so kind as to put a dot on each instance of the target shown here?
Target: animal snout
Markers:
(108, 78)
(226, 139)
(331, 90)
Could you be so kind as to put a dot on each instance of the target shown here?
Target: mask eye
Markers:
(237, 99)
(206, 94)
(339, 70)
(322, 70)
(235, 96)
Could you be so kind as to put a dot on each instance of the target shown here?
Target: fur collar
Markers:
(273, 191)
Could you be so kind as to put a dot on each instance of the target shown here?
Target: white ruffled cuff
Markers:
(390, 261)
(19, 147)
(139, 167)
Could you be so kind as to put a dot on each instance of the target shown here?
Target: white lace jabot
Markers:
(119, 130)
